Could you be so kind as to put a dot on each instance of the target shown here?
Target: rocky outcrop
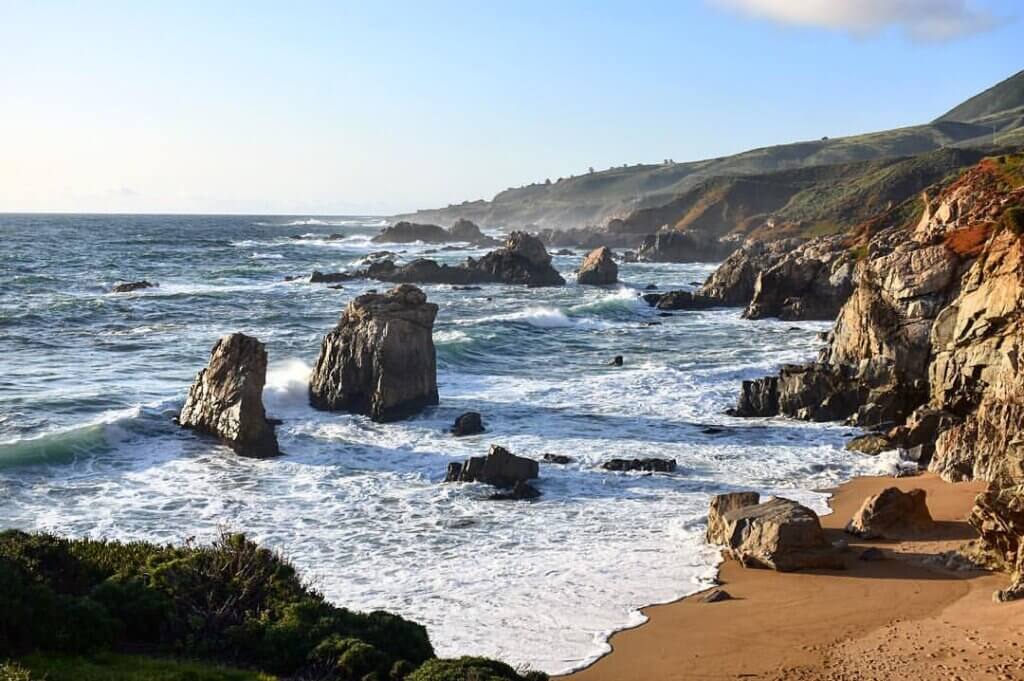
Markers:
(128, 287)
(647, 465)
(930, 344)
(523, 260)
(733, 282)
(598, 268)
(226, 398)
(380, 359)
(409, 232)
(469, 423)
(812, 281)
(892, 514)
(779, 534)
(722, 504)
(465, 230)
(500, 468)
(680, 300)
(998, 516)
(669, 245)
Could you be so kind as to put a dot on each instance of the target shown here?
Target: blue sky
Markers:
(334, 107)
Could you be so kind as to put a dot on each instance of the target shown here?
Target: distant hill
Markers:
(598, 197)
(998, 100)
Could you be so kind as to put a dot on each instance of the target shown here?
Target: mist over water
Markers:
(90, 380)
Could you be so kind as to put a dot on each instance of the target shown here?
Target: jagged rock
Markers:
(130, 286)
(720, 505)
(673, 246)
(890, 514)
(870, 444)
(560, 459)
(998, 516)
(598, 268)
(812, 281)
(758, 397)
(650, 465)
(465, 230)
(226, 398)
(716, 596)
(469, 423)
(500, 468)
(779, 534)
(409, 232)
(733, 282)
(380, 359)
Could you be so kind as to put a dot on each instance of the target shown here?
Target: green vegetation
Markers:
(67, 604)
(111, 667)
(471, 669)
(1013, 219)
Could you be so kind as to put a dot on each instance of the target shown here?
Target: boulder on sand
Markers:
(722, 504)
(226, 399)
(890, 514)
(779, 534)
(598, 268)
(380, 359)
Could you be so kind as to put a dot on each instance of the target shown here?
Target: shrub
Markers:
(14, 672)
(1013, 219)
(471, 669)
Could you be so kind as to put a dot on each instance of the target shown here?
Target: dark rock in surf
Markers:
(380, 359)
(598, 268)
(130, 286)
(683, 300)
(560, 459)
(519, 492)
(408, 232)
(469, 423)
(617, 361)
(226, 398)
(648, 465)
(500, 468)
(330, 277)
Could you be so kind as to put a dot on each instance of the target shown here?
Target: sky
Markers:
(384, 107)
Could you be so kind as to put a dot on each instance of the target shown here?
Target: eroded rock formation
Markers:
(891, 514)
(811, 281)
(598, 268)
(380, 359)
(226, 398)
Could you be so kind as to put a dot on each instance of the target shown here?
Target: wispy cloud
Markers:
(921, 20)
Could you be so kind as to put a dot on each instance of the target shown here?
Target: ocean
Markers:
(90, 382)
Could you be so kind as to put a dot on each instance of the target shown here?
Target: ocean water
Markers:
(89, 383)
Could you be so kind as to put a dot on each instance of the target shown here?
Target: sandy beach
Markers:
(890, 619)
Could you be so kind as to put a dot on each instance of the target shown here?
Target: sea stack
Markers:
(226, 399)
(598, 268)
(380, 359)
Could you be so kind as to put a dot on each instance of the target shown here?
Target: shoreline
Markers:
(895, 617)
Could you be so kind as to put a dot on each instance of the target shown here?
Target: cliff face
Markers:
(930, 344)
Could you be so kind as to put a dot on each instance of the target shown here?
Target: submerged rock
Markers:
(680, 300)
(890, 514)
(226, 398)
(380, 359)
(520, 491)
(650, 465)
(469, 423)
(128, 287)
(500, 468)
(779, 534)
(598, 268)
(560, 459)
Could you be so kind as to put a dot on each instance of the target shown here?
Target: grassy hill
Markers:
(595, 198)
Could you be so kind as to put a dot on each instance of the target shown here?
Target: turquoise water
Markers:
(89, 382)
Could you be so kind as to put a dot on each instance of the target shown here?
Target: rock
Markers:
(409, 232)
(716, 596)
(673, 246)
(720, 505)
(500, 468)
(870, 444)
(564, 252)
(560, 459)
(380, 359)
(683, 300)
(871, 554)
(329, 278)
(779, 534)
(651, 287)
(520, 491)
(130, 286)
(733, 283)
(465, 230)
(650, 465)
(598, 268)
(469, 423)
(998, 516)
(617, 361)
(759, 397)
(892, 514)
(813, 281)
(226, 398)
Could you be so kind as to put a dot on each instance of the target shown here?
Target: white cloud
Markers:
(921, 20)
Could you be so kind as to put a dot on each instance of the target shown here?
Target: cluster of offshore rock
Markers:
(410, 232)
